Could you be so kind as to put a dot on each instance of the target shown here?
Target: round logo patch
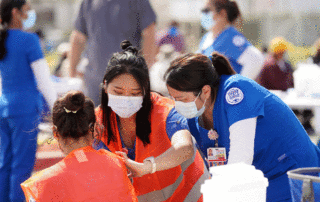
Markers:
(238, 40)
(234, 96)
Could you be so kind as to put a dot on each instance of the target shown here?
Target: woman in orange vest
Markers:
(85, 174)
(165, 164)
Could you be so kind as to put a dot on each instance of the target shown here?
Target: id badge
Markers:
(216, 156)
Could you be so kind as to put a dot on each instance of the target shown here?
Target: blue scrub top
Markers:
(280, 143)
(174, 123)
(19, 89)
(230, 43)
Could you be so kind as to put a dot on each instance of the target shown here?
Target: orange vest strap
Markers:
(193, 171)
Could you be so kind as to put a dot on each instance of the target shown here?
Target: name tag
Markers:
(216, 156)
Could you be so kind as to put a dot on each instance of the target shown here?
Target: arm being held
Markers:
(181, 150)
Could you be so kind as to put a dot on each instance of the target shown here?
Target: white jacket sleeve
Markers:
(44, 83)
(242, 134)
(252, 61)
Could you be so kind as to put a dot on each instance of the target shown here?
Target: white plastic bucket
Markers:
(236, 183)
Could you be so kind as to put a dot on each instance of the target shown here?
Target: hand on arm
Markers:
(78, 42)
(181, 150)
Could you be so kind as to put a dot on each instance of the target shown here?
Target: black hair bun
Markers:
(127, 46)
(75, 100)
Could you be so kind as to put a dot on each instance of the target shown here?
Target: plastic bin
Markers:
(305, 184)
(235, 182)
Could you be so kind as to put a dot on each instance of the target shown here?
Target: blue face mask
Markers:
(30, 21)
(207, 21)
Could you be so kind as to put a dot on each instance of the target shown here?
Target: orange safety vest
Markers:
(84, 175)
(181, 183)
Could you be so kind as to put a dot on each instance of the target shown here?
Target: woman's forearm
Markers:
(173, 157)
(181, 150)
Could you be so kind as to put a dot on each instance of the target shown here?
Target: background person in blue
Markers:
(252, 124)
(218, 18)
(25, 74)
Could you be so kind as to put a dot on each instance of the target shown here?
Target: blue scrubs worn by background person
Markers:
(234, 119)
(218, 18)
(24, 75)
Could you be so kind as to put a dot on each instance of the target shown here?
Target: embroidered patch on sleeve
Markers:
(234, 96)
(238, 40)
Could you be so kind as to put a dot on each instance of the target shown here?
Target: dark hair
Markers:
(264, 49)
(40, 33)
(189, 73)
(174, 23)
(231, 8)
(73, 115)
(131, 62)
(6, 7)
(316, 57)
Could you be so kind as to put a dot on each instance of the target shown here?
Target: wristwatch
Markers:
(151, 159)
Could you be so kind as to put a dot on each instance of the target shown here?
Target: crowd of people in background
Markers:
(149, 117)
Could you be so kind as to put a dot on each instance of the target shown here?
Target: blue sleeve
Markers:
(146, 15)
(175, 122)
(243, 99)
(34, 50)
(231, 43)
(98, 144)
(80, 22)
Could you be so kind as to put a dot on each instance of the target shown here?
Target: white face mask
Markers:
(189, 109)
(207, 20)
(30, 21)
(125, 106)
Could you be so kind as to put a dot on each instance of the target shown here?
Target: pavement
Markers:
(48, 152)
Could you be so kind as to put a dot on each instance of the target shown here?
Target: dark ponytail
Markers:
(316, 57)
(189, 73)
(129, 61)
(73, 115)
(231, 8)
(6, 7)
(221, 64)
(3, 37)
